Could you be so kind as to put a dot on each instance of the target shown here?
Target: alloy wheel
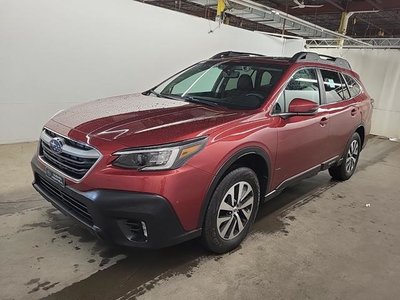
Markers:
(352, 155)
(235, 210)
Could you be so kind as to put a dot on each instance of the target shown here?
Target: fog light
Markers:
(144, 228)
(134, 230)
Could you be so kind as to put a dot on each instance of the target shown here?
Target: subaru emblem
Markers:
(56, 144)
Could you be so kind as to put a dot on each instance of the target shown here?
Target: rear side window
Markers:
(335, 87)
(353, 85)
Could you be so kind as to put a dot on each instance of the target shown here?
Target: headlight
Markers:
(164, 157)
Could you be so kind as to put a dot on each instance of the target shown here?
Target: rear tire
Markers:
(232, 210)
(346, 169)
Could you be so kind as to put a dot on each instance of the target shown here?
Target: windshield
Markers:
(239, 85)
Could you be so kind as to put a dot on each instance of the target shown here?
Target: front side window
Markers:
(232, 84)
(303, 84)
(353, 85)
(335, 87)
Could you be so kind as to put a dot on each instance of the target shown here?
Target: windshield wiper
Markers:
(152, 92)
(199, 101)
(162, 95)
(185, 98)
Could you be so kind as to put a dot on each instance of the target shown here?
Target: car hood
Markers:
(139, 120)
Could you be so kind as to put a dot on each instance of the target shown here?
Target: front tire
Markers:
(348, 166)
(232, 210)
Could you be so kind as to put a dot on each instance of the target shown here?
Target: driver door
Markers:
(302, 139)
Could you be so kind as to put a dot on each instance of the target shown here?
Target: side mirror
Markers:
(302, 106)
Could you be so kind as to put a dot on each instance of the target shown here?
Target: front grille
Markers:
(76, 158)
(68, 141)
(72, 205)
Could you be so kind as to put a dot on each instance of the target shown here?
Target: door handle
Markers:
(353, 112)
(323, 121)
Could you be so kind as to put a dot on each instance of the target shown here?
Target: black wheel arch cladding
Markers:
(254, 150)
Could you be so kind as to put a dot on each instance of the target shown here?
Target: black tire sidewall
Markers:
(210, 236)
(339, 172)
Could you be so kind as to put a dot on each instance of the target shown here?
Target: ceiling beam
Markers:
(333, 7)
(327, 16)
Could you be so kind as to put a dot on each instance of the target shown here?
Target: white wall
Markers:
(57, 53)
(380, 72)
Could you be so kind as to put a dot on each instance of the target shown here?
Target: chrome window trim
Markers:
(57, 171)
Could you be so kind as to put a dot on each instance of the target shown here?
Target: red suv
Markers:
(197, 154)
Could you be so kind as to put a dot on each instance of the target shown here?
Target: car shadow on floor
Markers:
(142, 268)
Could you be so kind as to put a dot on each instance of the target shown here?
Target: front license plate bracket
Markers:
(55, 177)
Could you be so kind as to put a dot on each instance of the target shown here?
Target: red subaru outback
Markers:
(197, 154)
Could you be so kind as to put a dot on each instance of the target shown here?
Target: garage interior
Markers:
(319, 239)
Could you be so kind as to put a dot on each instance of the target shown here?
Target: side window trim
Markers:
(343, 80)
(322, 92)
(319, 76)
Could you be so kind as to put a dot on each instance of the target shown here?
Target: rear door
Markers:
(343, 110)
(301, 139)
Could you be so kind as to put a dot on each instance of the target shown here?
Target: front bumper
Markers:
(125, 218)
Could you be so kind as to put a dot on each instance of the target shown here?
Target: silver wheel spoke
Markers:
(240, 190)
(355, 152)
(246, 213)
(230, 193)
(246, 203)
(225, 206)
(348, 162)
(351, 157)
(221, 220)
(244, 190)
(239, 222)
(226, 227)
(232, 228)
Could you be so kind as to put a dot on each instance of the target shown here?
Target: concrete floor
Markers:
(318, 240)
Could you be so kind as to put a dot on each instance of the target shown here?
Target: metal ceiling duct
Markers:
(271, 17)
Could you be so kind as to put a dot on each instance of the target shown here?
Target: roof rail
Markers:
(233, 54)
(320, 58)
